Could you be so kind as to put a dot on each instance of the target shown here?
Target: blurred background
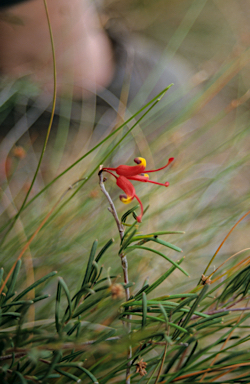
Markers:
(202, 121)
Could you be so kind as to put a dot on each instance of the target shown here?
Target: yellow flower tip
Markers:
(145, 175)
(141, 161)
(126, 199)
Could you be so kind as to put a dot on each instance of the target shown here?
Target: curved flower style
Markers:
(137, 173)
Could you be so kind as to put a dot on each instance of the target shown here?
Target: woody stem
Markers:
(124, 262)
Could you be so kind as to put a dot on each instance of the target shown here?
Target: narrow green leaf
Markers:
(21, 377)
(185, 302)
(166, 244)
(105, 335)
(13, 280)
(244, 293)
(129, 229)
(127, 240)
(1, 274)
(73, 355)
(165, 315)
(82, 290)
(86, 305)
(79, 366)
(90, 261)
(69, 308)
(190, 354)
(144, 310)
(68, 375)
(90, 375)
(73, 328)
(12, 314)
(209, 324)
(149, 236)
(94, 272)
(97, 281)
(34, 285)
(176, 356)
(153, 286)
(126, 214)
(39, 298)
(52, 376)
(166, 233)
(192, 309)
(138, 294)
(88, 270)
(21, 302)
(179, 296)
(57, 307)
(181, 329)
(211, 317)
(103, 250)
(56, 358)
(106, 278)
(160, 254)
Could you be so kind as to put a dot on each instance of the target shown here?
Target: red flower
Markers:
(130, 171)
(137, 173)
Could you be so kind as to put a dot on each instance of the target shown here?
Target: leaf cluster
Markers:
(197, 335)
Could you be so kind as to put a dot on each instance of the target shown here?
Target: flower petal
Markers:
(130, 170)
(123, 183)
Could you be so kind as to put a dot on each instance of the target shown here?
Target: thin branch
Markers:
(7, 357)
(124, 262)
